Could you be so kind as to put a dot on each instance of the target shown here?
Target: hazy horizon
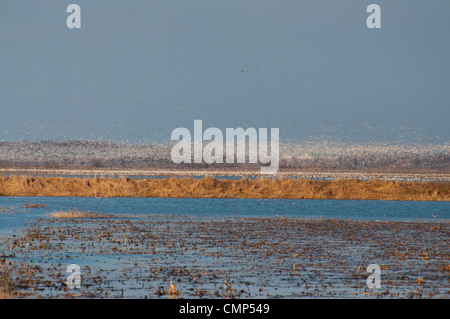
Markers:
(137, 70)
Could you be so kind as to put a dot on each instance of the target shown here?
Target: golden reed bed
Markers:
(209, 187)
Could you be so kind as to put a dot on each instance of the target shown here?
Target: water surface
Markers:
(14, 215)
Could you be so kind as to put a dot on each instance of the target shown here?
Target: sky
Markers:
(138, 69)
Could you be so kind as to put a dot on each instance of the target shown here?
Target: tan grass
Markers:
(209, 187)
(5, 296)
(76, 214)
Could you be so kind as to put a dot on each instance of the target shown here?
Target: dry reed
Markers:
(6, 283)
(76, 214)
(209, 187)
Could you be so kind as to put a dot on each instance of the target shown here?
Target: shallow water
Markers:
(263, 247)
(14, 215)
(136, 256)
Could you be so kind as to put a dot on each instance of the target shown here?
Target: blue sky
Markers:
(136, 70)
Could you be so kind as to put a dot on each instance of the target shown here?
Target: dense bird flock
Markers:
(324, 155)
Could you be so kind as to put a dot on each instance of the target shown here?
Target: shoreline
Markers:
(283, 173)
(210, 187)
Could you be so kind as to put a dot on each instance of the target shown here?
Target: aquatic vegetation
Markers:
(34, 205)
(182, 257)
(77, 214)
(6, 284)
(12, 209)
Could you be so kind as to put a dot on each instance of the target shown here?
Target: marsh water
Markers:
(263, 247)
(15, 216)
